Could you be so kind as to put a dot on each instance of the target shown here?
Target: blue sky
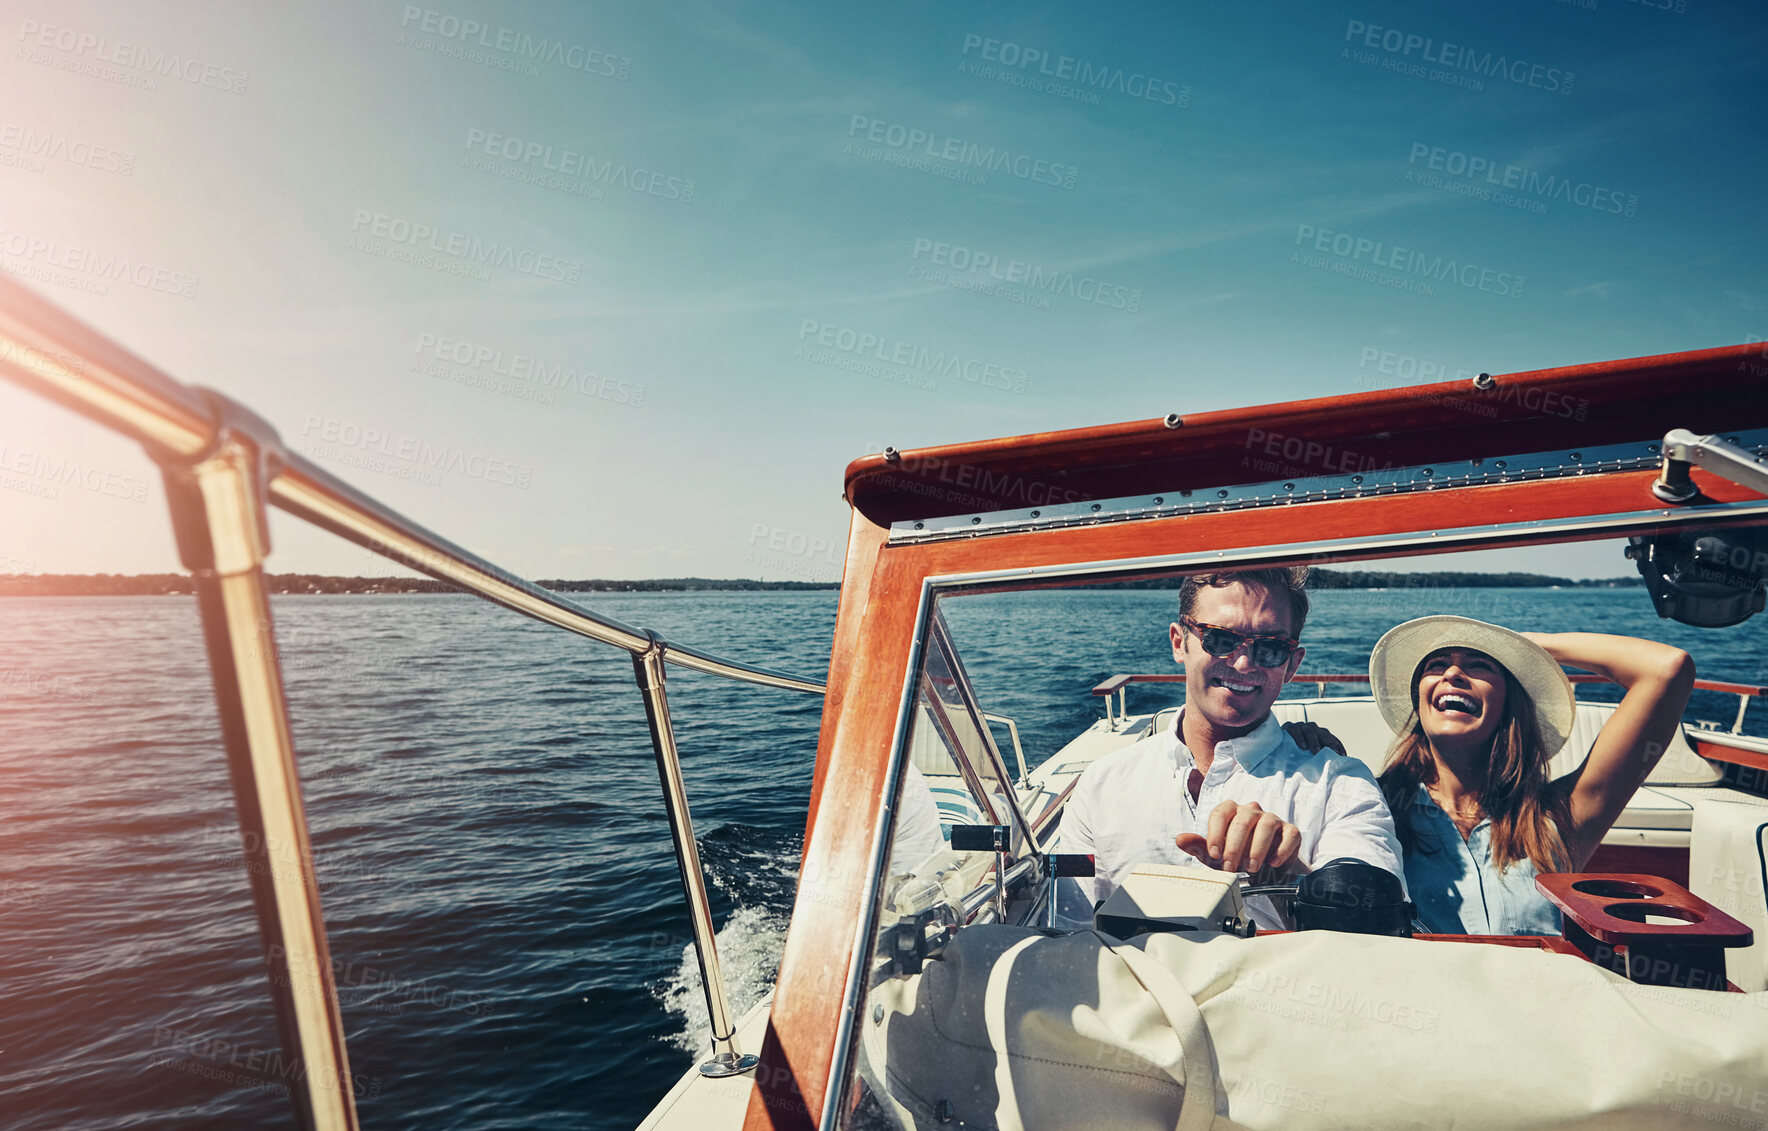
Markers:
(650, 238)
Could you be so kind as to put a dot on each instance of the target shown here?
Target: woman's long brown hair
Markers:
(1528, 815)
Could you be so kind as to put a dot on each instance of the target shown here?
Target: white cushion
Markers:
(1726, 868)
(1680, 765)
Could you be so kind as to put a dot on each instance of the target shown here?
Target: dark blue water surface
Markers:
(503, 903)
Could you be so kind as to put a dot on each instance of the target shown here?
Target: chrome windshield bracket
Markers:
(728, 1058)
(1714, 454)
(218, 499)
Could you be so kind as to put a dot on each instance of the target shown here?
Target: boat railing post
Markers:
(728, 1058)
(220, 519)
(1743, 704)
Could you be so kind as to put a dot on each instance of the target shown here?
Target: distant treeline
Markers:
(158, 584)
(151, 584)
(1451, 579)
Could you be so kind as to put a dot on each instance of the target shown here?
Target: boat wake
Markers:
(749, 947)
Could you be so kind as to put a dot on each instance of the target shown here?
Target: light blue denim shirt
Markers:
(1458, 888)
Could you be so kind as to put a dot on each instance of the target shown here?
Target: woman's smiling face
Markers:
(1461, 695)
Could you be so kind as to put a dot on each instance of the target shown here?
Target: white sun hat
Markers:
(1393, 664)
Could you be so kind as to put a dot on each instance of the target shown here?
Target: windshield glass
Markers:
(1088, 672)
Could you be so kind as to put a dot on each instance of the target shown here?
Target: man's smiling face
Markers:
(1231, 691)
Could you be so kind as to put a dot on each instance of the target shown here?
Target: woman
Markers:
(1477, 712)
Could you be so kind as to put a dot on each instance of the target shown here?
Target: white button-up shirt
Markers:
(1130, 804)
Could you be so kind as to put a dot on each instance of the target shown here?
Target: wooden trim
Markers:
(1340, 519)
(1544, 410)
(1719, 752)
(1603, 915)
(874, 631)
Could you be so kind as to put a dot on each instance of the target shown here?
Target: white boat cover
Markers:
(1012, 1028)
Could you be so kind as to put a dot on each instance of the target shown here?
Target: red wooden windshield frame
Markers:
(1621, 402)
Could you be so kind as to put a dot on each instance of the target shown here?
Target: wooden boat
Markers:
(1155, 498)
(1143, 500)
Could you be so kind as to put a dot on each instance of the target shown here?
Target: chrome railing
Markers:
(223, 468)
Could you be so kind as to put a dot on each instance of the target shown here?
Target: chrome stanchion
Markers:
(728, 1059)
(219, 517)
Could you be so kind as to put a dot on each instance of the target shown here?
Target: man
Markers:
(1226, 784)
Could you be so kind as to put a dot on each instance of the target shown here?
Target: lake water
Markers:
(503, 904)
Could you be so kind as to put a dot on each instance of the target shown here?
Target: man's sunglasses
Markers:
(1266, 651)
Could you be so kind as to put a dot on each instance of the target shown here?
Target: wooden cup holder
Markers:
(1647, 928)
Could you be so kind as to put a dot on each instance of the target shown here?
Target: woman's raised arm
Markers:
(1658, 679)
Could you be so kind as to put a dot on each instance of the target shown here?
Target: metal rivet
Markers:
(1036, 514)
(877, 1013)
(891, 455)
(1173, 421)
(1483, 381)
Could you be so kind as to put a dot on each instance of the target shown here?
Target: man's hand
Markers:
(1244, 838)
(1314, 738)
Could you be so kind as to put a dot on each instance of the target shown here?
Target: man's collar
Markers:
(1247, 751)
